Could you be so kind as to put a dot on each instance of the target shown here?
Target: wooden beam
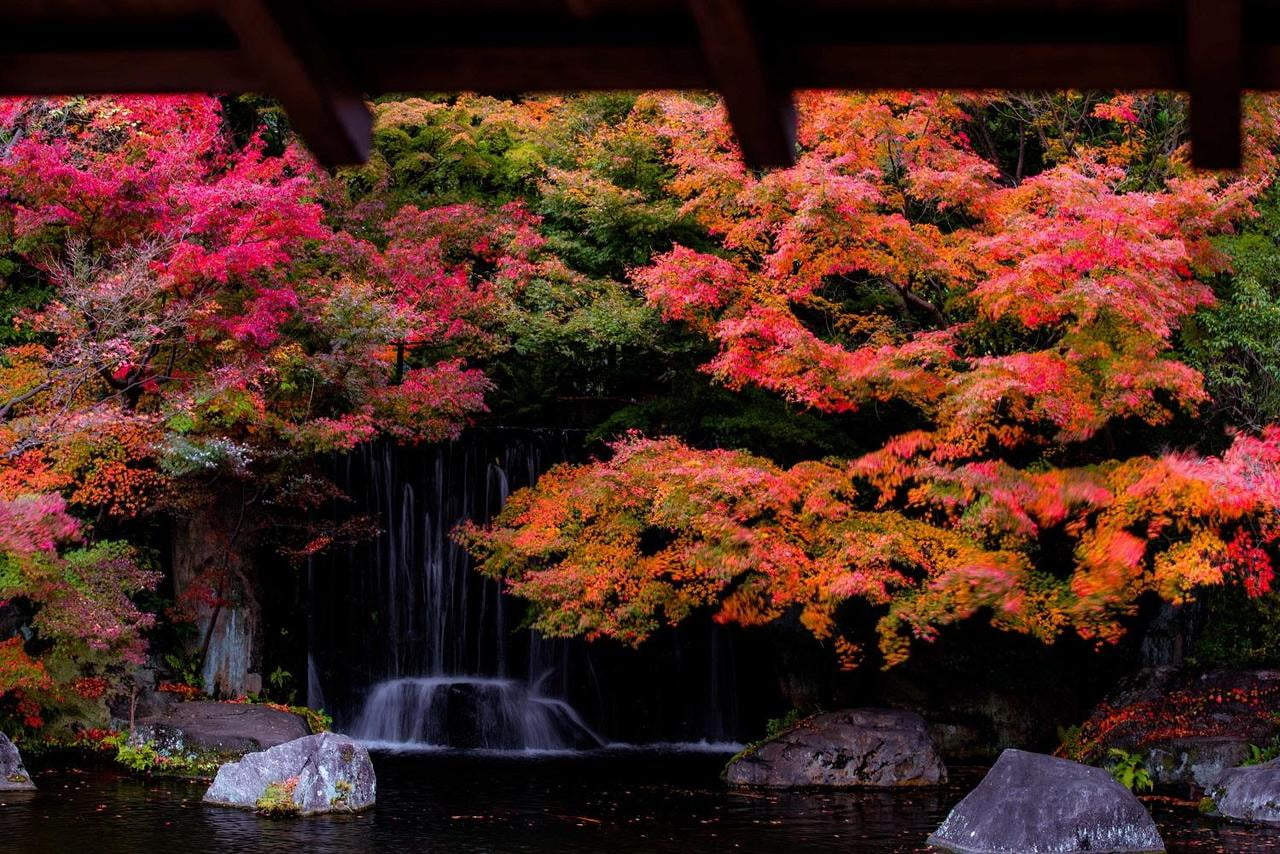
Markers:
(989, 65)
(283, 44)
(522, 68)
(759, 104)
(1215, 77)
(507, 69)
(114, 71)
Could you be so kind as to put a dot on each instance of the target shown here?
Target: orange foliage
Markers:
(1019, 318)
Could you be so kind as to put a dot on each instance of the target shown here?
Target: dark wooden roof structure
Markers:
(320, 57)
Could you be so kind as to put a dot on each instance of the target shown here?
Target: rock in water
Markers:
(1249, 794)
(223, 728)
(854, 747)
(318, 774)
(13, 776)
(1194, 760)
(1030, 803)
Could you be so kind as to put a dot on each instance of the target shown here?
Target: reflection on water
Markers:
(618, 802)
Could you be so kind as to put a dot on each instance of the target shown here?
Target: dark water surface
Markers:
(615, 802)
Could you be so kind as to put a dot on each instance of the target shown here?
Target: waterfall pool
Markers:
(616, 801)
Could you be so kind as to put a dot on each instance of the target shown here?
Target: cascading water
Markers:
(412, 647)
(489, 714)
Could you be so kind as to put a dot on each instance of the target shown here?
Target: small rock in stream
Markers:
(324, 773)
(13, 775)
(1250, 794)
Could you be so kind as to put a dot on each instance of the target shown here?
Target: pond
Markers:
(615, 801)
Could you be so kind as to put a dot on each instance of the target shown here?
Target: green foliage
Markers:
(1258, 755)
(318, 720)
(605, 197)
(139, 758)
(280, 679)
(341, 799)
(574, 341)
(249, 116)
(147, 758)
(1238, 630)
(444, 150)
(277, 800)
(185, 668)
(1071, 743)
(18, 295)
(1236, 343)
(772, 729)
(776, 726)
(1129, 770)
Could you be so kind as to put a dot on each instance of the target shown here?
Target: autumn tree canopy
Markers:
(202, 316)
(1015, 329)
(985, 355)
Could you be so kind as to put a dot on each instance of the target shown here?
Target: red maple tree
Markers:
(1016, 322)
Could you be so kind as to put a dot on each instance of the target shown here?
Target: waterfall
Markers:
(411, 646)
(315, 694)
(440, 630)
(477, 713)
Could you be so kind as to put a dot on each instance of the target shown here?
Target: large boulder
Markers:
(850, 748)
(321, 773)
(223, 728)
(1187, 727)
(1249, 794)
(1030, 803)
(13, 776)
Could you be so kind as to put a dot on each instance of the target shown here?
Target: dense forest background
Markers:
(1001, 358)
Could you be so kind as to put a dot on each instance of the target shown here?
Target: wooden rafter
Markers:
(758, 101)
(280, 40)
(1215, 77)
(319, 56)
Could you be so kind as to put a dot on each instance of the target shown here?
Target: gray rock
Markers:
(1249, 794)
(1030, 803)
(13, 776)
(1195, 760)
(850, 748)
(230, 728)
(321, 773)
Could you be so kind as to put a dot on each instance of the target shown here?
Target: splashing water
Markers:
(469, 712)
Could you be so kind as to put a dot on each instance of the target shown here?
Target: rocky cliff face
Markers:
(215, 578)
